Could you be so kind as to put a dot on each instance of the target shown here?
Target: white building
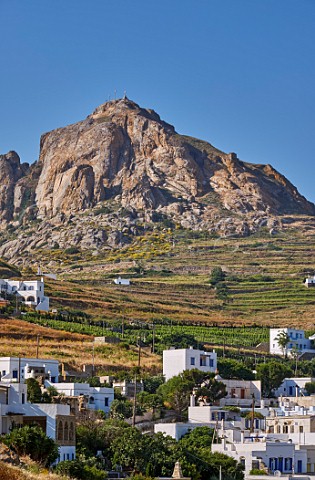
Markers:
(241, 393)
(310, 281)
(14, 369)
(122, 281)
(293, 387)
(54, 419)
(29, 292)
(98, 398)
(261, 452)
(175, 361)
(297, 341)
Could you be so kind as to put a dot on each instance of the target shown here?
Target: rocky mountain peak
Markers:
(124, 156)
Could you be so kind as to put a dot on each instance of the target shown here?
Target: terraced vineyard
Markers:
(264, 283)
(170, 288)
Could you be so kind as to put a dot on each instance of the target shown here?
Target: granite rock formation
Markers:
(125, 157)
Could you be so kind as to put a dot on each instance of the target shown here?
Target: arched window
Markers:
(91, 400)
(66, 431)
(71, 431)
(60, 431)
(30, 299)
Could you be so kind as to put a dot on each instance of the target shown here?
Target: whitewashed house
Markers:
(122, 281)
(14, 369)
(98, 398)
(297, 341)
(293, 387)
(56, 420)
(261, 452)
(310, 281)
(240, 393)
(175, 361)
(29, 292)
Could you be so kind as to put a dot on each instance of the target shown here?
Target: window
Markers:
(15, 374)
(285, 429)
(288, 464)
(203, 360)
(292, 429)
(211, 362)
(106, 402)
(66, 431)
(23, 397)
(60, 431)
(192, 361)
(3, 373)
(71, 432)
(301, 428)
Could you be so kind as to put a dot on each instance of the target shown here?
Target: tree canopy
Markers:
(272, 375)
(230, 368)
(177, 390)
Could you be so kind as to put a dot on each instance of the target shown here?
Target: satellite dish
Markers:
(277, 473)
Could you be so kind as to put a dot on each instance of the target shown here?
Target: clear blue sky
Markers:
(237, 73)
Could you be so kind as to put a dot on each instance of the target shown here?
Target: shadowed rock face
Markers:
(11, 192)
(125, 154)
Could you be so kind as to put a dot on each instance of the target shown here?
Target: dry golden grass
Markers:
(19, 338)
(10, 472)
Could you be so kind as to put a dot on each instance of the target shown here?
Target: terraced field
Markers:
(19, 338)
(170, 289)
(264, 283)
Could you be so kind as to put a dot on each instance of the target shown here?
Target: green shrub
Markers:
(72, 250)
(32, 440)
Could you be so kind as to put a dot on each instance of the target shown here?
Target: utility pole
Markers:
(253, 414)
(19, 370)
(135, 388)
(153, 337)
(93, 360)
(37, 346)
(139, 352)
